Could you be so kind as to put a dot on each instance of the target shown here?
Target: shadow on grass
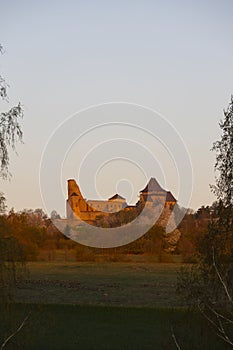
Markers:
(106, 328)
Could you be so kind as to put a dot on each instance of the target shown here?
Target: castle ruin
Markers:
(77, 207)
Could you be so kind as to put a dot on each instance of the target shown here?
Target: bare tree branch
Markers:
(220, 330)
(221, 279)
(17, 331)
(220, 315)
(174, 338)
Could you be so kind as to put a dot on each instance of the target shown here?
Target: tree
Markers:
(10, 133)
(10, 250)
(224, 158)
(54, 215)
(10, 129)
(209, 284)
(2, 203)
(220, 233)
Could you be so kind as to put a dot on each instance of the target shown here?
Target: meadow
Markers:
(90, 283)
(107, 306)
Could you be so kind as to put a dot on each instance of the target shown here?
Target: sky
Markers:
(173, 57)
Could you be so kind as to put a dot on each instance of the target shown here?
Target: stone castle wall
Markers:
(89, 210)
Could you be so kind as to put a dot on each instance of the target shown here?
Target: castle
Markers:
(88, 210)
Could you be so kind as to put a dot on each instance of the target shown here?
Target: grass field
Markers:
(116, 284)
(107, 306)
(68, 327)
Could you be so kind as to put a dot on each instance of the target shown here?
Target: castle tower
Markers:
(73, 188)
(75, 202)
(153, 192)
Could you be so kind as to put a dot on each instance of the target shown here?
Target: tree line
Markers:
(38, 239)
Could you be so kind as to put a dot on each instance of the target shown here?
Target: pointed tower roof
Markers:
(170, 197)
(116, 196)
(152, 186)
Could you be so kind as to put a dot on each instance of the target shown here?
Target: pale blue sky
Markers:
(173, 56)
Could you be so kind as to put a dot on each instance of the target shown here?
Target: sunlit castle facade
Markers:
(88, 210)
